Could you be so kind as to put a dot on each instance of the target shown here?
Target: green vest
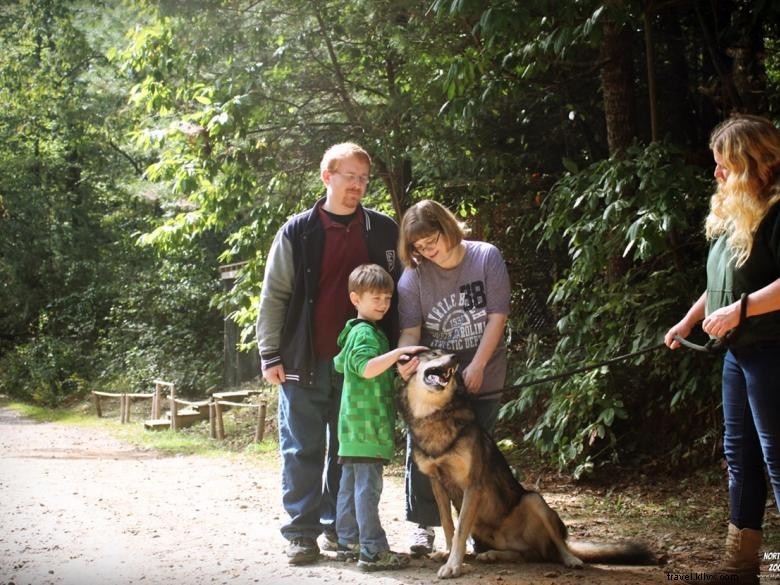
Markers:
(726, 282)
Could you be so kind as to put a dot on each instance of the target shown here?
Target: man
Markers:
(303, 308)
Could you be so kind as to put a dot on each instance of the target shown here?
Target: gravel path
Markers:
(78, 507)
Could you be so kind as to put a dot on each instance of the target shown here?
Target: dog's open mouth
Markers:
(438, 377)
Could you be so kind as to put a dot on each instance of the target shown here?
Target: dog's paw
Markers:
(448, 571)
(573, 562)
(489, 556)
(499, 556)
(439, 556)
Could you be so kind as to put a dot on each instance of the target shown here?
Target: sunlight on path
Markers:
(78, 507)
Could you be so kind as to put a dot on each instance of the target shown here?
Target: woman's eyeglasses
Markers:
(429, 245)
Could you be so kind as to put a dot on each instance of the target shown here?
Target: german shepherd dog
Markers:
(468, 470)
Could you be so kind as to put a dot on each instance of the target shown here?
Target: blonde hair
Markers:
(423, 220)
(749, 147)
(338, 152)
(370, 278)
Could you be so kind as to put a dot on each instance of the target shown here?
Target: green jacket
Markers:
(367, 415)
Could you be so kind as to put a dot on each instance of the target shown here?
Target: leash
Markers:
(573, 371)
(719, 344)
(714, 345)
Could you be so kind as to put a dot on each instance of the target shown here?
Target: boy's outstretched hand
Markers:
(408, 361)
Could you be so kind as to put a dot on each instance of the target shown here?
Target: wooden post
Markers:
(212, 420)
(96, 400)
(220, 422)
(157, 402)
(174, 410)
(128, 401)
(260, 426)
(122, 400)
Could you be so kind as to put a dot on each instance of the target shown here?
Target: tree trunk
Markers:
(397, 176)
(652, 97)
(617, 83)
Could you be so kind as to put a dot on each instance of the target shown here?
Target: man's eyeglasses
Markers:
(429, 245)
(353, 178)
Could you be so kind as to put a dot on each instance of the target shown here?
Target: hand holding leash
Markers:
(726, 319)
(715, 323)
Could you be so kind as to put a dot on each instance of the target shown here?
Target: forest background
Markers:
(144, 144)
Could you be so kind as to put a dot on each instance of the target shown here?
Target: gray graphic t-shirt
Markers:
(452, 305)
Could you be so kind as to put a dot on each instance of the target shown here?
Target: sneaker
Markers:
(422, 540)
(382, 561)
(348, 552)
(330, 541)
(302, 551)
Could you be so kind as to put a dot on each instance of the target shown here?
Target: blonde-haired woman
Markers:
(453, 295)
(744, 228)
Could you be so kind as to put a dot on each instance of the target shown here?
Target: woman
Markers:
(453, 295)
(744, 229)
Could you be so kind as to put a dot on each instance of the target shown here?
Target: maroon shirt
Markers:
(345, 249)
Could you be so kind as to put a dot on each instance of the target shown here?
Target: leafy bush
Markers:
(162, 327)
(631, 228)
(46, 370)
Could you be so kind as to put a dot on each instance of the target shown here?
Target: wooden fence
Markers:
(183, 413)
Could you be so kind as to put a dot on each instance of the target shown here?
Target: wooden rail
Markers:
(97, 396)
(125, 399)
(217, 404)
(217, 425)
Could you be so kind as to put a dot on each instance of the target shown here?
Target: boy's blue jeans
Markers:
(357, 517)
(751, 412)
(308, 441)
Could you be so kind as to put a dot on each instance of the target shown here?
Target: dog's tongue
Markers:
(435, 380)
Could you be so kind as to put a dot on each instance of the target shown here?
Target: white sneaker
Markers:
(329, 541)
(422, 540)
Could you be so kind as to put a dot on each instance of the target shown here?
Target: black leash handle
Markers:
(713, 345)
(719, 344)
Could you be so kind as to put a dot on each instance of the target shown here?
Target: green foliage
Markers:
(635, 267)
(79, 297)
(132, 165)
(161, 327)
(47, 370)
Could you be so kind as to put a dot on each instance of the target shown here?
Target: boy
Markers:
(366, 421)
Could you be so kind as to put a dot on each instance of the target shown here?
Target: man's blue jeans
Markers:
(751, 412)
(308, 441)
(357, 519)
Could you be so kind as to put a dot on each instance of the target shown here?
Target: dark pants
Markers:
(751, 412)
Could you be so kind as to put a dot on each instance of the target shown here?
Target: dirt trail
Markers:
(78, 507)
